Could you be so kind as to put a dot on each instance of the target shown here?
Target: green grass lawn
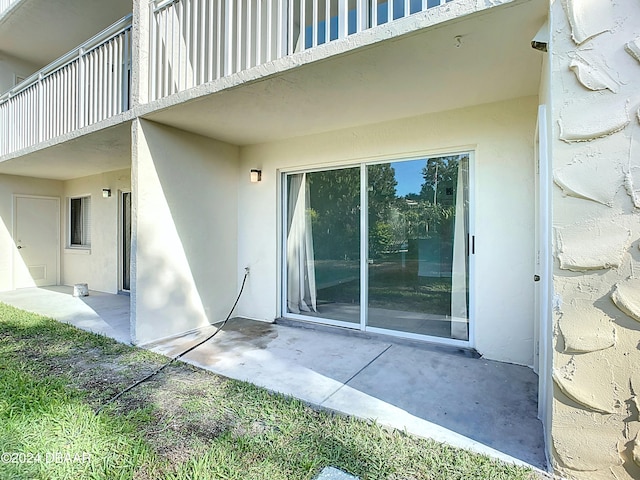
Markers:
(185, 423)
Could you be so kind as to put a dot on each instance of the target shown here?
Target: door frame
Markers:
(362, 324)
(543, 296)
(121, 193)
(14, 227)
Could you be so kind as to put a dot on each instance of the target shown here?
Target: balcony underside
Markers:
(38, 31)
(103, 150)
(426, 71)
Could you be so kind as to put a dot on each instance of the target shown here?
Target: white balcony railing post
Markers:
(290, 23)
(343, 18)
(302, 40)
(40, 121)
(81, 89)
(281, 31)
(126, 71)
(228, 38)
(363, 15)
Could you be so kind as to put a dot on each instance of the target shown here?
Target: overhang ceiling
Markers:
(39, 31)
(422, 72)
(106, 150)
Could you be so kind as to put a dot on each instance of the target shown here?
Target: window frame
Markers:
(85, 214)
(363, 163)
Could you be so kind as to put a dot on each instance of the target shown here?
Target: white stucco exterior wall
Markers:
(184, 243)
(9, 186)
(500, 134)
(596, 165)
(10, 67)
(99, 265)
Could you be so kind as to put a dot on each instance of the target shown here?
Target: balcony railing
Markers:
(5, 5)
(198, 41)
(85, 86)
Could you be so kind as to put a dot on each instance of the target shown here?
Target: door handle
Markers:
(20, 247)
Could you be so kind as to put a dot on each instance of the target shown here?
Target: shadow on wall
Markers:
(187, 232)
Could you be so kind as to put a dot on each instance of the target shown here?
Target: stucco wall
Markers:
(99, 265)
(502, 136)
(185, 230)
(596, 166)
(10, 67)
(10, 185)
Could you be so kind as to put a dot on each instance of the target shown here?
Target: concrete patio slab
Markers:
(431, 391)
(282, 359)
(490, 402)
(428, 390)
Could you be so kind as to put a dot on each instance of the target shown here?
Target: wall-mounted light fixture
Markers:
(256, 175)
(106, 192)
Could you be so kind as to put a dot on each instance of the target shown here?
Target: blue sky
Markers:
(409, 176)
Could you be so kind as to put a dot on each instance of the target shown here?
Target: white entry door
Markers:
(37, 239)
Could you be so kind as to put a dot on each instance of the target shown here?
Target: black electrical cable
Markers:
(157, 371)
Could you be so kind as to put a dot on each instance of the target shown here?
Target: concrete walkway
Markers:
(431, 391)
(99, 312)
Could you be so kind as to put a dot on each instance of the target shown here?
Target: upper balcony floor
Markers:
(168, 52)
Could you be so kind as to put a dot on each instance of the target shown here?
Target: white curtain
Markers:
(301, 277)
(459, 274)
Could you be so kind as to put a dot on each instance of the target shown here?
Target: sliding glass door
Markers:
(418, 268)
(323, 244)
(410, 217)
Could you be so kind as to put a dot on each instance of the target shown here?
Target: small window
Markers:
(80, 222)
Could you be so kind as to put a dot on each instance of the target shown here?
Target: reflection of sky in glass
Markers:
(409, 176)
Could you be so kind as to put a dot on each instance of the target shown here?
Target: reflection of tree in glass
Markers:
(382, 196)
(440, 179)
(393, 220)
(433, 209)
(335, 213)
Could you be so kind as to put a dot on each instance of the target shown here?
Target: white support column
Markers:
(140, 43)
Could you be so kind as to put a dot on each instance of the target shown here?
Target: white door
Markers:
(37, 239)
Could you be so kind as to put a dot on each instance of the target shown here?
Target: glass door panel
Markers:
(323, 244)
(418, 267)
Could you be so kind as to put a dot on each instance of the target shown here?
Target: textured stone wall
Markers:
(595, 88)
